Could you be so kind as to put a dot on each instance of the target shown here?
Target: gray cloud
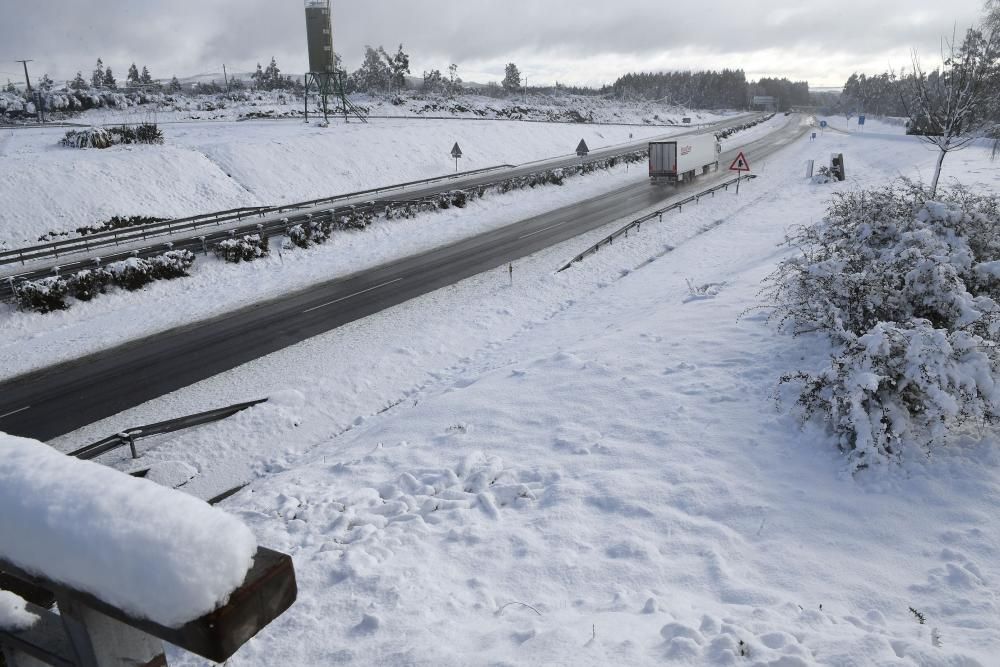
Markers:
(582, 41)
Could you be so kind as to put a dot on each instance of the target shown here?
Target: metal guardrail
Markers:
(272, 227)
(142, 232)
(637, 224)
(129, 436)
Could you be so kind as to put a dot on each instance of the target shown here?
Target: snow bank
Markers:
(13, 615)
(150, 551)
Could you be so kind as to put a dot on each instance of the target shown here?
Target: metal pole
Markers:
(27, 79)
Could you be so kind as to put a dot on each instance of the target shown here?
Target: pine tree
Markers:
(46, 84)
(133, 75)
(97, 77)
(512, 78)
(145, 78)
(258, 78)
(10, 87)
(109, 80)
(79, 83)
(175, 85)
(272, 76)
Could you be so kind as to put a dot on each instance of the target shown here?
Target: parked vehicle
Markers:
(681, 160)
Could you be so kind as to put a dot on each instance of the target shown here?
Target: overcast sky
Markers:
(571, 41)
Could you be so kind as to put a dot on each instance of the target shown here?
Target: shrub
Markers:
(907, 290)
(94, 137)
(43, 296)
(132, 274)
(246, 249)
(172, 264)
(87, 284)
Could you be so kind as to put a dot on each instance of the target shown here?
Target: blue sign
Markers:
(861, 120)
(822, 123)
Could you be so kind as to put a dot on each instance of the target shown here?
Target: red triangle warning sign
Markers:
(740, 163)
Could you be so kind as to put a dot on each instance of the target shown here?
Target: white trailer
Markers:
(680, 160)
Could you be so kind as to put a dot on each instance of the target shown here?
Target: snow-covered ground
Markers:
(588, 467)
(216, 166)
(564, 108)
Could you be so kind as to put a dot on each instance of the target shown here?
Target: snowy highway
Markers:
(62, 398)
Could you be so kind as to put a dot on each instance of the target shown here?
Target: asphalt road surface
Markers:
(63, 398)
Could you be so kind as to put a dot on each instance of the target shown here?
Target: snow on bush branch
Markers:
(906, 289)
(100, 137)
(50, 294)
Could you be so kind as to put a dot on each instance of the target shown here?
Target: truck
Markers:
(681, 159)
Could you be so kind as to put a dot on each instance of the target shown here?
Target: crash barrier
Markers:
(658, 214)
(281, 226)
(56, 249)
(128, 437)
(88, 632)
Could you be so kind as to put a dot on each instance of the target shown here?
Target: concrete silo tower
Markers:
(322, 60)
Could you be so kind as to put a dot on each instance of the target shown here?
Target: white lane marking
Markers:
(15, 412)
(351, 296)
(542, 230)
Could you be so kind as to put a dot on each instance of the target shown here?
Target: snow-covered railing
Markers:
(130, 564)
(128, 436)
(637, 224)
(55, 249)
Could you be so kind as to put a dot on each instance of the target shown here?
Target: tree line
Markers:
(709, 89)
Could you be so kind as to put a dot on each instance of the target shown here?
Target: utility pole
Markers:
(27, 79)
(524, 99)
(225, 76)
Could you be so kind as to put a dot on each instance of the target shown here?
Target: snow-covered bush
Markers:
(94, 137)
(87, 284)
(171, 264)
(99, 137)
(43, 296)
(132, 274)
(907, 290)
(245, 249)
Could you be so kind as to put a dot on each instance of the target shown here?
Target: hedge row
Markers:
(49, 294)
(725, 134)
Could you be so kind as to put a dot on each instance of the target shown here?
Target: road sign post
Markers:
(740, 164)
(456, 153)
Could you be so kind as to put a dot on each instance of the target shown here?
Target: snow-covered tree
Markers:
(109, 80)
(175, 85)
(133, 75)
(399, 67)
(272, 75)
(78, 83)
(97, 76)
(145, 78)
(10, 87)
(512, 78)
(951, 106)
(433, 81)
(46, 84)
(454, 80)
(374, 74)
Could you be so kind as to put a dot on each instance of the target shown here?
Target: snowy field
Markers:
(565, 108)
(207, 167)
(588, 467)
